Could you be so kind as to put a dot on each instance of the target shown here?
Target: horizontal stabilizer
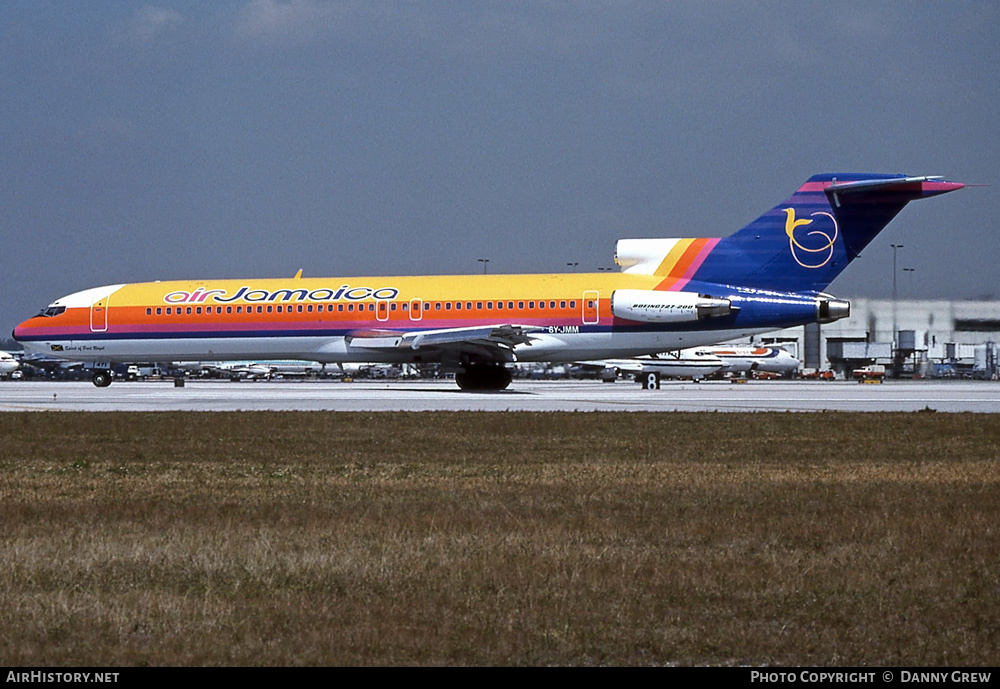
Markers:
(892, 183)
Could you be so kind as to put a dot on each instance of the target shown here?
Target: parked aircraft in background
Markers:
(253, 370)
(8, 364)
(687, 363)
(235, 370)
(671, 294)
(698, 363)
(744, 359)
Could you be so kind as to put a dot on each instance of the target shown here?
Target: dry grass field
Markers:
(499, 539)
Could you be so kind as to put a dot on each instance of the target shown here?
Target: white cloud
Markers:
(285, 21)
(150, 22)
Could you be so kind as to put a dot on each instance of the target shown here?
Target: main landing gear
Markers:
(484, 377)
(101, 378)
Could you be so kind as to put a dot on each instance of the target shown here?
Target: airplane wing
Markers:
(495, 342)
(49, 363)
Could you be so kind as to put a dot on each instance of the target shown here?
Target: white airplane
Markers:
(294, 368)
(697, 363)
(744, 359)
(253, 370)
(648, 370)
(8, 364)
(234, 370)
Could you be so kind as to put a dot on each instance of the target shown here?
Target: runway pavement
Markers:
(523, 395)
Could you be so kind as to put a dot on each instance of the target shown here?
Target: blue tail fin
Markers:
(805, 242)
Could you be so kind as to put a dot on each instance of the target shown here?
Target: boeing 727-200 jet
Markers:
(671, 294)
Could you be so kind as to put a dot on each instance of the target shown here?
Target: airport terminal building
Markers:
(911, 338)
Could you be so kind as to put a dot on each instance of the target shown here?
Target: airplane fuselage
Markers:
(672, 294)
(8, 363)
(332, 320)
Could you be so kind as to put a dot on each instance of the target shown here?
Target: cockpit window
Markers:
(52, 311)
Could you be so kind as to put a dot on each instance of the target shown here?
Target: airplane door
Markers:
(382, 311)
(416, 309)
(99, 315)
(591, 303)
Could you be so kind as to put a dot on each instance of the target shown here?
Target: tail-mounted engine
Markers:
(649, 306)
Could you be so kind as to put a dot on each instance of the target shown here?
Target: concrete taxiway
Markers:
(753, 396)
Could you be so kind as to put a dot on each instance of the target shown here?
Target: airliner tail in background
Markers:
(671, 294)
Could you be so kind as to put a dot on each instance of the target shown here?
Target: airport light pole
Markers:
(909, 282)
(484, 261)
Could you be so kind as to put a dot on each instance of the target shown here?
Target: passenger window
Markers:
(447, 306)
(520, 304)
(149, 312)
(159, 311)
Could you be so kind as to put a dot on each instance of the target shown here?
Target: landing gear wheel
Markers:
(484, 378)
(101, 379)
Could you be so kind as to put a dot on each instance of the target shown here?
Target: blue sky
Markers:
(253, 138)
